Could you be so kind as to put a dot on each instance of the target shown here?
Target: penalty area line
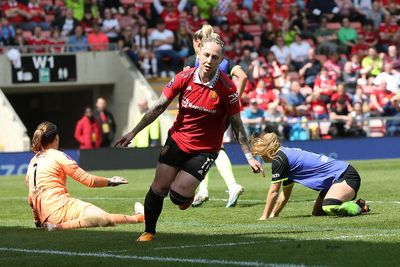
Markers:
(145, 258)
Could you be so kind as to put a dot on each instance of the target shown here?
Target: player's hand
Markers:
(125, 140)
(256, 166)
(116, 180)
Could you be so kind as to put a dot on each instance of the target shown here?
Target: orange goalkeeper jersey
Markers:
(46, 181)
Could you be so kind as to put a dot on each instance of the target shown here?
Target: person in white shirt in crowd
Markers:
(162, 40)
(299, 52)
(110, 26)
(281, 51)
(390, 76)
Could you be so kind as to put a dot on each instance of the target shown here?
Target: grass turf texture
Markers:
(211, 234)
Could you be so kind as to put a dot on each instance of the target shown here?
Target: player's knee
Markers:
(331, 206)
(177, 198)
(105, 220)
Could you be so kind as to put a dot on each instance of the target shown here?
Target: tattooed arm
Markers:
(240, 134)
(154, 111)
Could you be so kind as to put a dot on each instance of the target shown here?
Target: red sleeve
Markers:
(232, 103)
(175, 86)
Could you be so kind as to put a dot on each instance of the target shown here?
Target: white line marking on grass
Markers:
(211, 245)
(211, 199)
(146, 258)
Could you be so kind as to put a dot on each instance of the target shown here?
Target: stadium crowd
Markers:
(306, 61)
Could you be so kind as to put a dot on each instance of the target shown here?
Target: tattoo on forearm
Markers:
(240, 133)
(154, 111)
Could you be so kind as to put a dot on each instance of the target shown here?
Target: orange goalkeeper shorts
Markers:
(72, 210)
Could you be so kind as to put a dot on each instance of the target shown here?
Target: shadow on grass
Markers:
(118, 248)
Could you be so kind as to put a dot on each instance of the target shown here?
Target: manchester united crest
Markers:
(213, 94)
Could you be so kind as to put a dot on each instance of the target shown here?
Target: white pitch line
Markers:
(211, 199)
(211, 245)
(146, 258)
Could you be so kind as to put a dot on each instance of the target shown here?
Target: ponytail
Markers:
(44, 134)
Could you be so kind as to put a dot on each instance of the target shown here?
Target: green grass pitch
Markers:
(212, 235)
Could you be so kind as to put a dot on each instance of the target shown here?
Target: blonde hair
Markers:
(44, 134)
(204, 32)
(214, 38)
(266, 146)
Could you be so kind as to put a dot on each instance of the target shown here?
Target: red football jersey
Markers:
(203, 110)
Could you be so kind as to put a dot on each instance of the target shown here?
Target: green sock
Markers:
(345, 209)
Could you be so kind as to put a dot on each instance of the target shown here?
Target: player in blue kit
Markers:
(337, 181)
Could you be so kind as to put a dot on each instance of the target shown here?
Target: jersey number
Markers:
(34, 174)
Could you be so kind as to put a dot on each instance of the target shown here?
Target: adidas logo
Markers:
(200, 172)
(189, 88)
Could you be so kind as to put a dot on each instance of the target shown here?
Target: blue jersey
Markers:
(312, 170)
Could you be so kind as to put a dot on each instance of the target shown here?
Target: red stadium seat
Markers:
(253, 29)
(128, 2)
(27, 34)
(50, 18)
(377, 128)
(333, 25)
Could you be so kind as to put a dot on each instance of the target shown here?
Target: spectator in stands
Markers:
(390, 76)
(339, 94)
(295, 100)
(311, 69)
(340, 119)
(318, 109)
(392, 57)
(264, 96)
(88, 131)
(363, 8)
(260, 12)
(288, 32)
(98, 40)
(78, 42)
(372, 64)
(150, 135)
(57, 43)
(206, 7)
(170, 13)
(126, 43)
(379, 98)
(183, 42)
(281, 51)
(106, 121)
(132, 19)
(20, 41)
(268, 36)
(36, 16)
(377, 14)
(326, 38)
(114, 6)
(147, 58)
(347, 36)
(7, 32)
(65, 22)
(52, 206)
(358, 121)
(325, 84)
(162, 40)
(367, 37)
(361, 97)
(253, 118)
(195, 20)
(110, 26)
(299, 52)
(94, 8)
(78, 8)
(387, 33)
(392, 109)
(317, 9)
(349, 78)
(38, 43)
(278, 13)
(299, 131)
(88, 21)
(14, 11)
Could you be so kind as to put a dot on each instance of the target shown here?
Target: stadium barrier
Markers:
(139, 158)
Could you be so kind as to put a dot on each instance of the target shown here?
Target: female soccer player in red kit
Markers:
(207, 101)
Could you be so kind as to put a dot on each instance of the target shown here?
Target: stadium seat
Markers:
(253, 29)
(50, 18)
(333, 25)
(377, 127)
(27, 35)
(46, 34)
(128, 2)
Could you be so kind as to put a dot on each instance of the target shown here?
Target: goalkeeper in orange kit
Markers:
(53, 207)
